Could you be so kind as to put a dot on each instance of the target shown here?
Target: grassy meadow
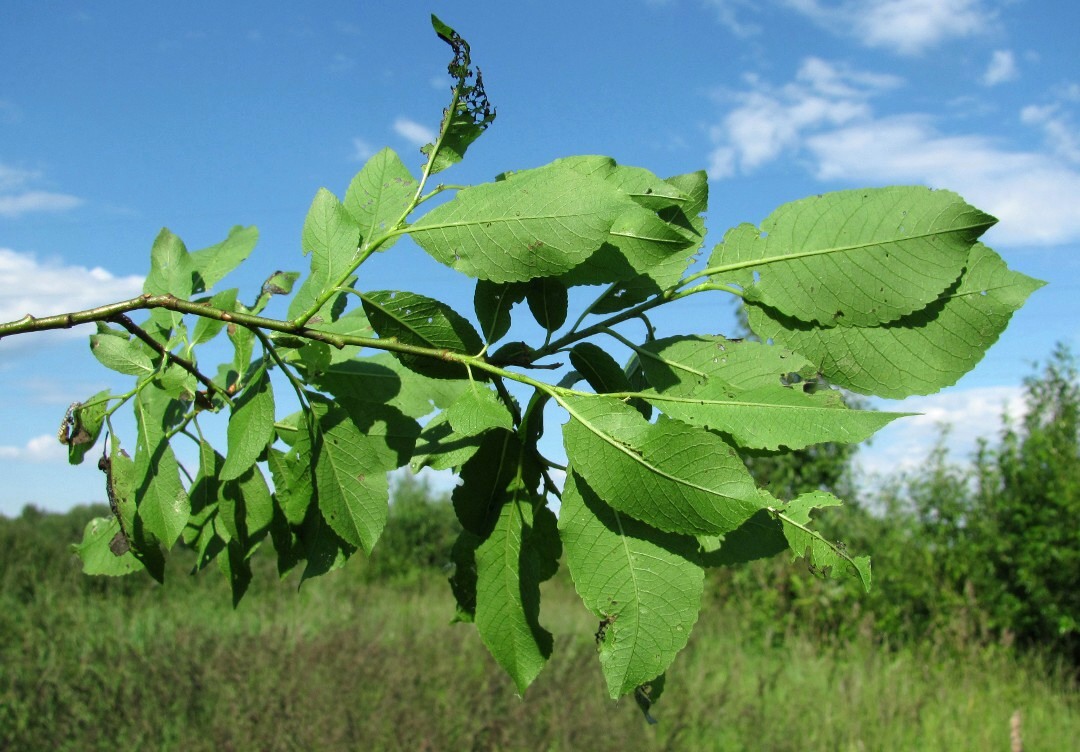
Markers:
(349, 663)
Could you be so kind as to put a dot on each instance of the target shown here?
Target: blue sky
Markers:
(118, 119)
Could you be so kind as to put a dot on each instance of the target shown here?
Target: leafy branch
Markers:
(881, 291)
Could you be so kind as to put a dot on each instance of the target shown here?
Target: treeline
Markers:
(982, 552)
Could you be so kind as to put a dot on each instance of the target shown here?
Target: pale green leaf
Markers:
(478, 409)
(172, 269)
(541, 222)
(853, 258)
(212, 264)
(643, 585)
(163, 502)
(740, 388)
(379, 195)
(382, 379)
(920, 353)
(671, 475)
(332, 237)
(207, 328)
(121, 355)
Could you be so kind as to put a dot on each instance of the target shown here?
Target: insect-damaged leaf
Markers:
(642, 584)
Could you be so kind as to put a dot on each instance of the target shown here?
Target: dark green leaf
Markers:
(492, 302)
(548, 302)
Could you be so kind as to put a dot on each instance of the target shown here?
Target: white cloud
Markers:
(825, 119)
(971, 414)
(44, 448)
(30, 286)
(1057, 129)
(768, 121)
(18, 198)
(908, 27)
(362, 150)
(726, 13)
(414, 132)
(1033, 195)
(1002, 68)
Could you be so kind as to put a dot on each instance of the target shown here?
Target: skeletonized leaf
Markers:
(739, 388)
(671, 475)
(853, 258)
(826, 557)
(644, 585)
(379, 195)
(921, 353)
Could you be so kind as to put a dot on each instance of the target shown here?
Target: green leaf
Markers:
(163, 504)
(382, 379)
(172, 269)
(463, 578)
(687, 215)
(379, 195)
(853, 258)
(236, 567)
(485, 476)
(293, 486)
(246, 507)
(207, 328)
(478, 409)
(548, 302)
(355, 446)
(739, 388)
(825, 556)
(760, 537)
(643, 585)
(96, 550)
(331, 236)
(541, 222)
(122, 355)
(599, 369)
(251, 426)
(470, 113)
(673, 476)
(441, 448)
(492, 302)
(172, 272)
(420, 321)
(508, 575)
(324, 549)
(212, 264)
(920, 353)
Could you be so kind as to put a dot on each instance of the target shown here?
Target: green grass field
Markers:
(346, 664)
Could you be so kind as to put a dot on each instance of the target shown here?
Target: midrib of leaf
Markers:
(795, 255)
(630, 452)
(637, 591)
(402, 322)
(657, 397)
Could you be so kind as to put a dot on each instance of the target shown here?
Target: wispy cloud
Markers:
(730, 15)
(44, 448)
(826, 120)
(907, 27)
(413, 132)
(362, 150)
(1001, 68)
(768, 120)
(19, 197)
(28, 285)
(970, 415)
